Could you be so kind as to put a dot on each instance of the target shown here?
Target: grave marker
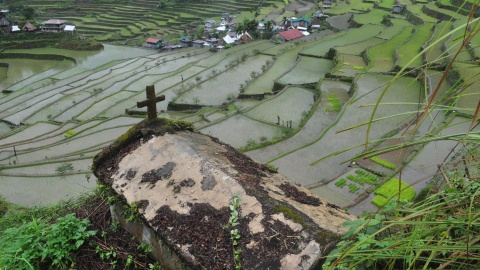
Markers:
(151, 102)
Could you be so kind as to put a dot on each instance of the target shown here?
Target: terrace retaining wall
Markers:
(436, 14)
(36, 56)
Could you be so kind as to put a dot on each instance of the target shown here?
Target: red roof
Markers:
(291, 34)
(152, 40)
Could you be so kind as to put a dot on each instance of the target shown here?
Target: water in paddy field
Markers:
(24, 69)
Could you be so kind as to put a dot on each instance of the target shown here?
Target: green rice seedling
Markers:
(341, 183)
(394, 187)
(352, 188)
(384, 163)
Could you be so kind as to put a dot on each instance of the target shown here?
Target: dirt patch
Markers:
(299, 196)
(109, 238)
(205, 233)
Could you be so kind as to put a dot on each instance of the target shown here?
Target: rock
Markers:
(177, 189)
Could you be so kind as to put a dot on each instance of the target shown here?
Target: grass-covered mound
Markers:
(58, 41)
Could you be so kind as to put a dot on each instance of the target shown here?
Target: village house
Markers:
(4, 23)
(211, 41)
(186, 41)
(198, 43)
(301, 22)
(28, 27)
(15, 29)
(210, 24)
(327, 4)
(245, 37)
(54, 26)
(397, 8)
(288, 35)
(232, 26)
(4, 13)
(317, 19)
(229, 39)
(69, 29)
(153, 43)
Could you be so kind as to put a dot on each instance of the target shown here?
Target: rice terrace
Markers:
(362, 102)
(320, 107)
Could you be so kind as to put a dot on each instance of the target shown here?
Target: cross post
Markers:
(151, 102)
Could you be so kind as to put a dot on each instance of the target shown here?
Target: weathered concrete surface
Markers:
(182, 185)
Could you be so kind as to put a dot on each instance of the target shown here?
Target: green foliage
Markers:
(234, 233)
(37, 242)
(130, 212)
(393, 188)
(384, 163)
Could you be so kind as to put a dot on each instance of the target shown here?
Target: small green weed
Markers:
(234, 233)
(65, 168)
(69, 133)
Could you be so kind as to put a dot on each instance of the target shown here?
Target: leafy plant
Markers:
(37, 242)
(130, 212)
(234, 233)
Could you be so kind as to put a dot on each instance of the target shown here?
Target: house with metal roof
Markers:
(301, 22)
(290, 34)
(53, 26)
(153, 43)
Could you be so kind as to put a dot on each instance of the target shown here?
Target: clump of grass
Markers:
(440, 232)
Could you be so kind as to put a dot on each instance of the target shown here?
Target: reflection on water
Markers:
(21, 69)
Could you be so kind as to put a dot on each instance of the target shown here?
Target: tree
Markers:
(268, 32)
(28, 12)
(200, 31)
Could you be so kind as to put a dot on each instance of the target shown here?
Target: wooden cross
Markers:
(151, 102)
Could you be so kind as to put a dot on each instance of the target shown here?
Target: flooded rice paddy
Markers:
(64, 113)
